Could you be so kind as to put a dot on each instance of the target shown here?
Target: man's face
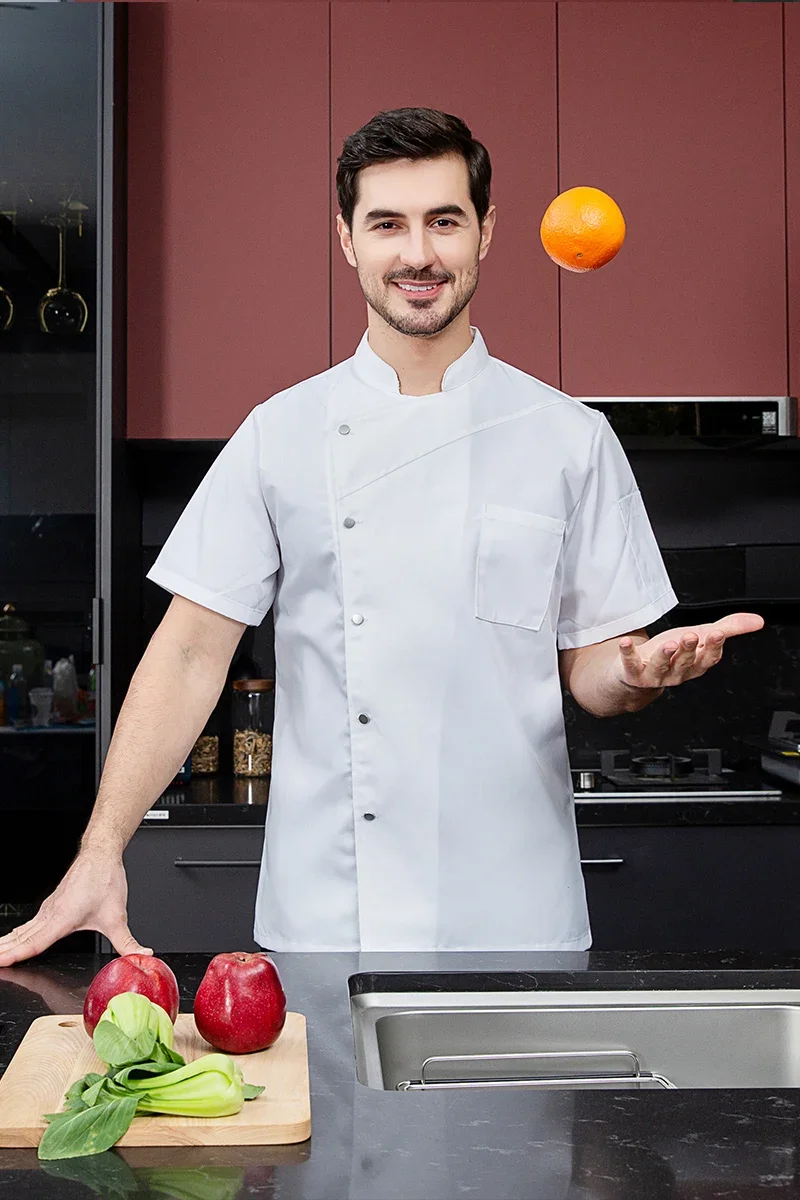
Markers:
(399, 236)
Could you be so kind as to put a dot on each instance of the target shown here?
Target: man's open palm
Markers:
(679, 654)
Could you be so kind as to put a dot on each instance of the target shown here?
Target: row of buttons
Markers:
(364, 719)
(357, 618)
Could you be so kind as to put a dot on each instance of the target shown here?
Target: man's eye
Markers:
(446, 220)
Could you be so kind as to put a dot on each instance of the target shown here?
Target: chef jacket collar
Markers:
(372, 370)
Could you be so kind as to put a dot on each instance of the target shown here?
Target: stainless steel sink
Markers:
(738, 1038)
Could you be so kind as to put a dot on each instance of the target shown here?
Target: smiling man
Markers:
(444, 540)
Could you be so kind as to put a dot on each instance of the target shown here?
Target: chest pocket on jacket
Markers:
(517, 557)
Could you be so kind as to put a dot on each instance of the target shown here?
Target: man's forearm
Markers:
(597, 689)
(170, 697)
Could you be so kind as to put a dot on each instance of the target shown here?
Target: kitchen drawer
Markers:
(193, 889)
(698, 888)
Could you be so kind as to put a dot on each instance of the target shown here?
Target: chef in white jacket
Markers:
(443, 540)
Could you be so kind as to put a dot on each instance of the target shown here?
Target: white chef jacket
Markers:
(426, 557)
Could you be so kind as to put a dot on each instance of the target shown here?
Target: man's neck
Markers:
(420, 363)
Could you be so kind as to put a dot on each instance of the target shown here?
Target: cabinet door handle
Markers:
(217, 862)
(602, 862)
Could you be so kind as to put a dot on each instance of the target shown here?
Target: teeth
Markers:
(410, 287)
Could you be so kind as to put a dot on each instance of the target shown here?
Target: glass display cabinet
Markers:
(61, 407)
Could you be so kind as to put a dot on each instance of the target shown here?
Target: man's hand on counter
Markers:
(92, 895)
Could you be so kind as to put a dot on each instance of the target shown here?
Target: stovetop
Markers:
(696, 774)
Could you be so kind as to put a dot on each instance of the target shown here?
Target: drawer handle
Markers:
(217, 862)
(602, 862)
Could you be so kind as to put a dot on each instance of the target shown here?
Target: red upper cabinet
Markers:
(228, 211)
(792, 17)
(493, 65)
(676, 110)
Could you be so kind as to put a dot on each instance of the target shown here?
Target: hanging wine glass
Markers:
(61, 310)
(6, 303)
(6, 310)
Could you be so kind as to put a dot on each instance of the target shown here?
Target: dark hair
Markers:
(413, 133)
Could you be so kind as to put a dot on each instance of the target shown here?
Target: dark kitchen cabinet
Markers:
(193, 889)
(693, 888)
(677, 111)
(499, 75)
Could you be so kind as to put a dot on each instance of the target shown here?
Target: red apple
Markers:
(142, 973)
(240, 1005)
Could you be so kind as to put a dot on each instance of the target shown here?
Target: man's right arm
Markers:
(171, 695)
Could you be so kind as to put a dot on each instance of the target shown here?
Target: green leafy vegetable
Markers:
(167, 1054)
(210, 1086)
(88, 1131)
(92, 1094)
(143, 1071)
(113, 1046)
(141, 1020)
(134, 1037)
(80, 1085)
(73, 1100)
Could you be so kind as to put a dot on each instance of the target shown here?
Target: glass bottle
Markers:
(205, 752)
(17, 695)
(252, 715)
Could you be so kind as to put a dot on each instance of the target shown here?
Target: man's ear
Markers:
(487, 229)
(345, 239)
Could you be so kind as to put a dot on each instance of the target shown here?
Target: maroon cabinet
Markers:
(228, 249)
(494, 66)
(792, 19)
(676, 110)
(238, 286)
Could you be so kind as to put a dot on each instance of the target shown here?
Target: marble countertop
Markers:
(488, 1145)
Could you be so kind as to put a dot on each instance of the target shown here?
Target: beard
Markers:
(419, 318)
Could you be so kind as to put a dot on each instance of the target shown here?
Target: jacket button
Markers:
(357, 619)
(344, 429)
(348, 522)
(363, 718)
(369, 816)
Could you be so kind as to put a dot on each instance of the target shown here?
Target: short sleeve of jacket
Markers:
(222, 553)
(614, 579)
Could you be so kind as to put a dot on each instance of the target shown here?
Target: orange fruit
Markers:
(582, 229)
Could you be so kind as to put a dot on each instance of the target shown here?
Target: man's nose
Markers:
(418, 250)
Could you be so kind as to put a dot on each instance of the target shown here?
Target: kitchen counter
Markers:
(223, 800)
(490, 1145)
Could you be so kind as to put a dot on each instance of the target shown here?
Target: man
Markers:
(445, 540)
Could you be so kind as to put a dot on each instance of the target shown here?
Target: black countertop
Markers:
(223, 800)
(489, 1145)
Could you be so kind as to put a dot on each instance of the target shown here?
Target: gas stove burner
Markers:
(697, 774)
(661, 766)
(694, 768)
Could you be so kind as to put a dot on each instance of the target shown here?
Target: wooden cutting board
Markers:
(56, 1051)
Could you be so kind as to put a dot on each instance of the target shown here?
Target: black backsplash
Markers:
(698, 503)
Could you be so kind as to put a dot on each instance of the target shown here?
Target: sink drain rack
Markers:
(629, 1076)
